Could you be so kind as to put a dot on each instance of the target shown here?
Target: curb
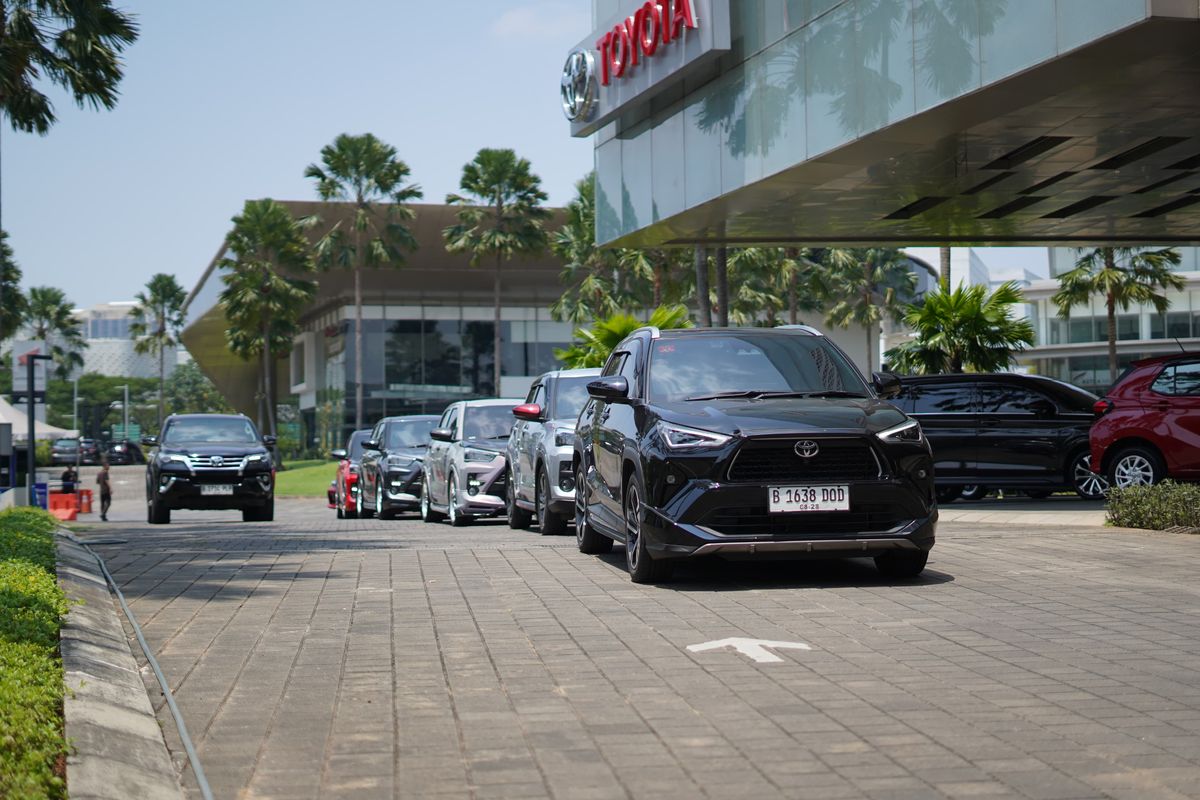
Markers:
(117, 749)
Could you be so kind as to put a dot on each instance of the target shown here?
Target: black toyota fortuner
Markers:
(750, 442)
(210, 461)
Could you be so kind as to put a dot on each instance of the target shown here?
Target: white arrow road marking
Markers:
(755, 648)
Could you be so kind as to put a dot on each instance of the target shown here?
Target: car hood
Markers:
(212, 448)
(746, 417)
(494, 445)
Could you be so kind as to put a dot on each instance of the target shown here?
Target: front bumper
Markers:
(482, 488)
(402, 489)
(710, 518)
(181, 490)
(562, 480)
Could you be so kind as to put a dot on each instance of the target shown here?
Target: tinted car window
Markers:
(613, 367)
(997, 398)
(224, 431)
(943, 399)
(703, 365)
(487, 422)
(408, 433)
(1178, 379)
(354, 449)
(569, 396)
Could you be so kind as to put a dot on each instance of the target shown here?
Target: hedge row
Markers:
(32, 745)
(1164, 505)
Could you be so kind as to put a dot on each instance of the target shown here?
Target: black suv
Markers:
(210, 461)
(392, 465)
(1005, 431)
(748, 441)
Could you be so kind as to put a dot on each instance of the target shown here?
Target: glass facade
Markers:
(807, 76)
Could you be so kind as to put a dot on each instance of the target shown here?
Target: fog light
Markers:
(472, 486)
(921, 473)
(671, 479)
(567, 483)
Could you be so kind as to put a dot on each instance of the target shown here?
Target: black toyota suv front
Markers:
(749, 442)
(210, 461)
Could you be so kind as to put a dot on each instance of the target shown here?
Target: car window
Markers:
(629, 370)
(538, 395)
(748, 361)
(570, 394)
(998, 398)
(452, 422)
(354, 448)
(487, 422)
(958, 399)
(408, 433)
(613, 367)
(1179, 380)
(213, 431)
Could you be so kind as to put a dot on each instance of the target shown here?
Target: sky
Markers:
(228, 100)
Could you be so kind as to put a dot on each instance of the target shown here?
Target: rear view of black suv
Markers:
(210, 461)
(748, 442)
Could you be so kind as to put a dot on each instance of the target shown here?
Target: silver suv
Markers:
(465, 465)
(541, 483)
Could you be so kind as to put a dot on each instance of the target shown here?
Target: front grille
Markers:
(756, 521)
(776, 461)
(206, 462)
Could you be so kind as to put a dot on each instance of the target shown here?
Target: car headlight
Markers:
(564, 439)
(471, 454)
(168, 458)
(908, 432)
(679, 438)
(256, 458)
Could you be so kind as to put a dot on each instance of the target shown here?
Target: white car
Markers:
(465, 466)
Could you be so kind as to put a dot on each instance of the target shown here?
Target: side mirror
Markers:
(613, 389)
(441, 435)
(886, 384)
(372, 444)
(269, 441)
(150, 441)
(530, 412)
(338, 454)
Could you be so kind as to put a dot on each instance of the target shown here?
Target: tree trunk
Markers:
(266, 375)
(703, 303)
(793, 299)
(722, 287)
(871, 344)
(162, 381)
(1112, 338)
(944, 274)
(358, 336)
(496, 327)
(658, 285)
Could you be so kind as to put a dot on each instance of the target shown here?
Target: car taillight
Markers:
(1102, 406)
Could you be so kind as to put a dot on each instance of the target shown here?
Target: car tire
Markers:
(587, 538)
(263, 513)
(340, 504)
(973, 492)
(1136, 466)
(428, 514)
(1088, 485)
(157, 513)
(455, 517)
(381, 510)
(901, 564)
(948, 494)
(642, 567)
(549, 523)
(1038, 494)
(518, 518)
(364, 511)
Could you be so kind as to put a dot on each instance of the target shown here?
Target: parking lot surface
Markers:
(316, 657)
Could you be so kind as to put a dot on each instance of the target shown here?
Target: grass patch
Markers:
(1164, 505)
(305, 463)
(32, 744)
(307, 481)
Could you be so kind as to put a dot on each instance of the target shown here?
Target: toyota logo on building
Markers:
(807, 448)
(218, 461)
(579, 85)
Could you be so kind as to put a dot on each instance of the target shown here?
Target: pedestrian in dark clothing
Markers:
(69, 479)
(105, 491)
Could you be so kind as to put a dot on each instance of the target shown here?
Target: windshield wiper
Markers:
(833, 393)
(500, 436)
(756, 394)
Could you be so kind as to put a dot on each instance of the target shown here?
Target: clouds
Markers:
(544, 21)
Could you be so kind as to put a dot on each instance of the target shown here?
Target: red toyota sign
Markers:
(639, 36)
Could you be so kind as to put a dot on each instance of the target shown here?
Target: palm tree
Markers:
(594, 345)
(587, 269)
(703, 301)
(51, 319)
(963, 329)
(944, 268)
(263, 298)
(871, 284)
(366, 172)
(1123, 275)
(157, 325)
(501, 216)
(12, 302)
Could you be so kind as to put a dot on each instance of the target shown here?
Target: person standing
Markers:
(105, 490)
(69, 479)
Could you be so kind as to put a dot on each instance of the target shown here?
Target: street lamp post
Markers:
(125, 412)
(31, 446)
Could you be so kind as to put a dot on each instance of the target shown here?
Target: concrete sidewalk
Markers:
(1022, 513)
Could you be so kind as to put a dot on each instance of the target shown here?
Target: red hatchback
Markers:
(345, 490)
(1149, 422)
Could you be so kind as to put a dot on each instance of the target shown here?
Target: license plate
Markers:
(792, 499)
(216, 488)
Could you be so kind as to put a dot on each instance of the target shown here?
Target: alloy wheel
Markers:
(633, 526)
(425, 500)
(580, 505)
(1087, 483)
(379, 498)
(452, 502)
(539, 501)
(1133, 469)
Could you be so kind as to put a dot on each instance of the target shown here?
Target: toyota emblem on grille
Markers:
(807, 448)
(218, 461)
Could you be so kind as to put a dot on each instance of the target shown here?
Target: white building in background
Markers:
(110, 349)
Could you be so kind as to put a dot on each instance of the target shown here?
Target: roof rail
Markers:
(655, 333)
(809, 329)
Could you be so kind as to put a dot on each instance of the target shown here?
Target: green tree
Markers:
(158, 323)
(966, 329)
(366, 172)
(1123, 276)
(264, 295)
(501, 216)
(13, 305)
(871, 284)
(189, 391)
(592, 346)
(588, 270)
(100, 398)
(50, 318)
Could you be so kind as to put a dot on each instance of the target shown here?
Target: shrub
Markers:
(32, 744)
(1164, 505)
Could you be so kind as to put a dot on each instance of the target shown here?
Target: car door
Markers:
(947, 412)
(1176, 400)
(435, 460)
(527, 434)
(606, 455)
(1019, 435)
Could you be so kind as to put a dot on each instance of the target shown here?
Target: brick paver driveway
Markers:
(316, 657)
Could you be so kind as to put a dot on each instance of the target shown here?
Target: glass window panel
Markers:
(667, 163)
(1158, 327)
(1187, 379)
(886, 81)
(608, 191)
(1082, 330)
(946, 50)
(833, 103)
(1082, 21)
(636, 180)
(1003, 399)
(781, 133)
(478, 358)
(1014, 36)
(944, 400)
(702, 141)
(1179, 325)
(1129, 327)
(1165, 382)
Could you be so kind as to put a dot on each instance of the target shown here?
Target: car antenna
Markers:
(1181, 347)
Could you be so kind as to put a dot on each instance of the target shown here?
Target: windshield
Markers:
(214, 431)
(487, 422)
(66, 444)
(354, 448)
(569, 396)
(409, 433)
(749, 362)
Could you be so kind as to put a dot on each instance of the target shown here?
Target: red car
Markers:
(344, 491)
(1149, 423)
